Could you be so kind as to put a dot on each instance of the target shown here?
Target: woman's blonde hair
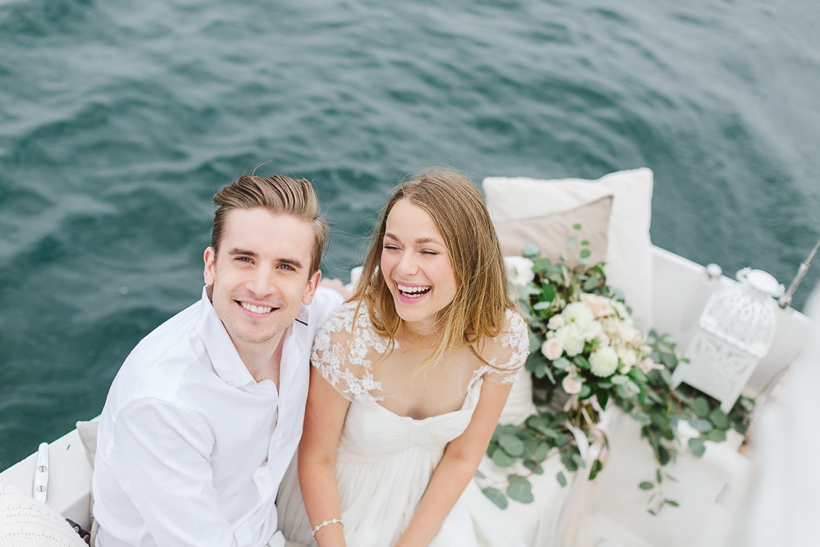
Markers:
(478, 310)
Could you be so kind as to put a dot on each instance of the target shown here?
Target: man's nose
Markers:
(261, 282)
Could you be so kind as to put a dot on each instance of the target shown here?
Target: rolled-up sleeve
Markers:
(161, 458)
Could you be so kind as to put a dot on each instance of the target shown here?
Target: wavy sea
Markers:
(119, 120)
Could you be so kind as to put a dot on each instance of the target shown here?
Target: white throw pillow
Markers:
(629, 248)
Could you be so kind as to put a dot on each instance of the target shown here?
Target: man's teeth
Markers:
(255, 309)
(413, 292)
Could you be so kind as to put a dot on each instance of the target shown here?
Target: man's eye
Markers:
(246, 259)
(287, 267)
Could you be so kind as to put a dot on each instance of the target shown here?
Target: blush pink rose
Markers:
(552, 349)
(598, 305)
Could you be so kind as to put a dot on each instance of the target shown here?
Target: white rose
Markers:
(519, 270)
(629, 357)
(572, 385)
(552, 348)
(556, 322)
(590, 330)
(603, 362)
(600, 306)
(571, 339)
(577, 312)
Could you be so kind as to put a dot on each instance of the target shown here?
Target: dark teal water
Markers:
(118, 121)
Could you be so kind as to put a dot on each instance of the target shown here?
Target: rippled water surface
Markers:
(118, 121)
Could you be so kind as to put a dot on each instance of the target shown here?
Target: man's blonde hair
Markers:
(278, 194)
(478, 310)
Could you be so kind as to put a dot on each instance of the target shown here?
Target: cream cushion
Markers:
(25, 522)
(629, 248)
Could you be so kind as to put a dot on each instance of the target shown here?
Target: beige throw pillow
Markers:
(551, 232)
(629, 249)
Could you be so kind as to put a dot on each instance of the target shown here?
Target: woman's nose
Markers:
(407, 265)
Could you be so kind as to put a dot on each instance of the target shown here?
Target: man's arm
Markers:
(160, 457)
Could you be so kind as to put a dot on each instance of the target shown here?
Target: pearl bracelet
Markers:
(325, 523)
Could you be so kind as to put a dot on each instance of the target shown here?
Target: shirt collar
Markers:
(224, 358)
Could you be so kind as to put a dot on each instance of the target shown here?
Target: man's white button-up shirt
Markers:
(191, 449)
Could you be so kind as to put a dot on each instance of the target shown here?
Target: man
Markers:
(205, 414)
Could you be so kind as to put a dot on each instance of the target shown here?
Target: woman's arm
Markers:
(324, 419)
(457, 467)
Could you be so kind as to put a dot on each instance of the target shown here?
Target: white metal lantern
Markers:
(734, 333)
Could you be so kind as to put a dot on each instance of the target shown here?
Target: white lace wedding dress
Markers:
(384, 461)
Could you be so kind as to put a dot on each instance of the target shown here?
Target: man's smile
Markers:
(261, 310)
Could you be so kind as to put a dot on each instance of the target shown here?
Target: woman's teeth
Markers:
(413, 292)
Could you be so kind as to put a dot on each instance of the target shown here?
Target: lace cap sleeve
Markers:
(343, 355)
(508, 351)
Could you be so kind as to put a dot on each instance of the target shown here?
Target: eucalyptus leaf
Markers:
(576, 226)
(619, 379)
(479, 474)
(646, 485)
(591, 283)
(585, 253)
(562, 480)
(701, 407)
(562, 363)
(641, 417)
(531, 251)
(520, 490)
(496, 496)
(579, 461)
(717, 435)
(512, 445)
(673, 503)
(541, 452)
(543, 305)
(719, 418)
(585, 392)
(585, 243)
(704, 426)
(697, 447)
(542, 264)
(535, 342)
(502, 459)
(669, 360)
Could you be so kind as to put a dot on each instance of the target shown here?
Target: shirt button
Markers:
(229, 383)
(262, 478)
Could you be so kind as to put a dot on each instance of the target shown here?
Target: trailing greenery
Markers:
(586, 354)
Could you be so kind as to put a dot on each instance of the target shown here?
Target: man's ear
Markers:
(312, 285)
(209, 257)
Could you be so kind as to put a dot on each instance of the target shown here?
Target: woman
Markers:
(408, 381)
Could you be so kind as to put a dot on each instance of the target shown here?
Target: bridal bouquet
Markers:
(586, 354)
